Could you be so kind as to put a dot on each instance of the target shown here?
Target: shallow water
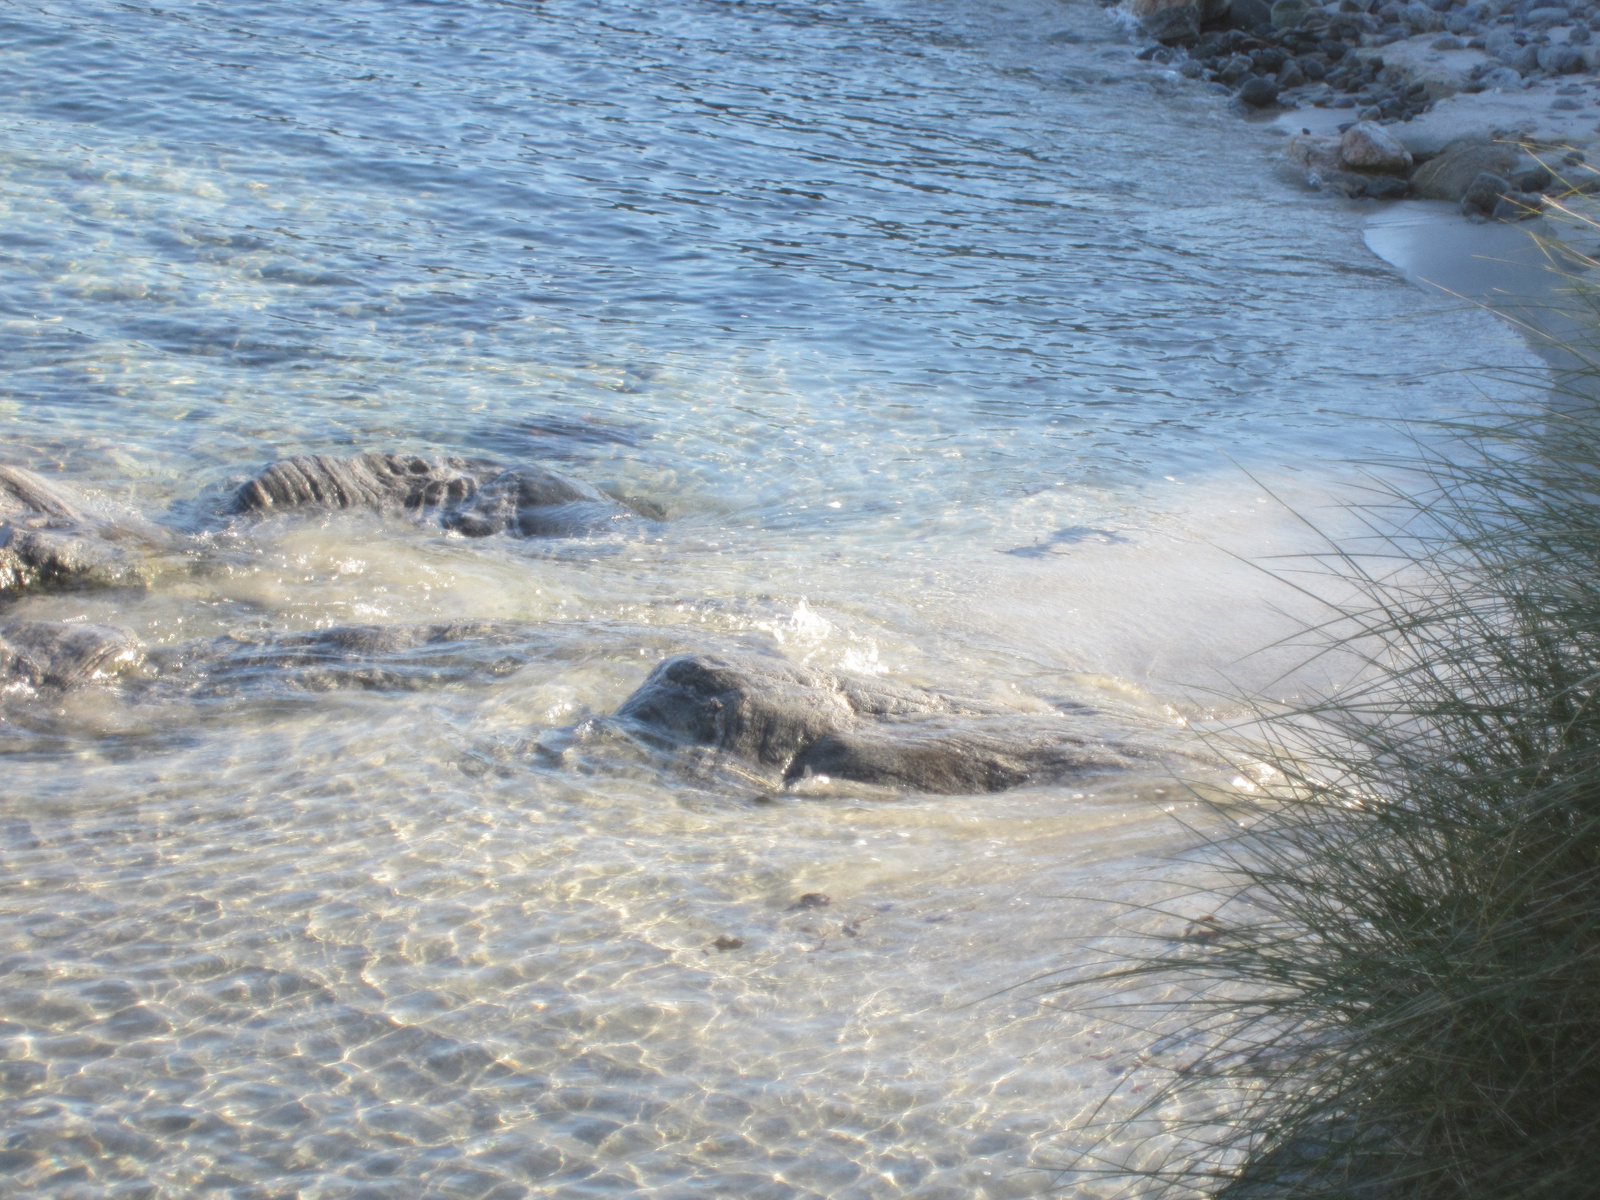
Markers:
(944, 334)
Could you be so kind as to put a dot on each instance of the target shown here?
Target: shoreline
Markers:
(1455, 130)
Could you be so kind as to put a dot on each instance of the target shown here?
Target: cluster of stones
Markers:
(1486, 179)
(782, 722)
(1295, 53)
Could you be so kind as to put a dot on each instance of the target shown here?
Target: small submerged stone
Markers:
(63, 655)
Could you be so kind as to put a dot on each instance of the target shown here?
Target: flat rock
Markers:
(49, 537)
(343, 658)
(798, 722)
(63, 655)
(469, 497)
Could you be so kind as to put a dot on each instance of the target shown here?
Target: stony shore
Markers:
(1489, 105)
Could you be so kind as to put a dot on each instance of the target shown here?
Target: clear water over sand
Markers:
(943, 334)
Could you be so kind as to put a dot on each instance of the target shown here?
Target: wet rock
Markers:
(1258, 92)
(1483, 194)
(798, 722)
(1366, 146)
(1312, 67)
(1448, 176)
(49, 538)
(377, 482)
(64, 655)
(533, 502)
(1172, 26)
(347, 657)
(473, 498)
(1291, 76)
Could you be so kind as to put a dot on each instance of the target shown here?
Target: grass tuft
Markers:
(1396, 995)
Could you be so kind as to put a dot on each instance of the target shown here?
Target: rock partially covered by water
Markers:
(65, 655)
(48, 538)
(469, 497)
(533, 502)
(799, 722)
(345, 657)
(379, 482)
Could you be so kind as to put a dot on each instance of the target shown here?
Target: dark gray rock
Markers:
(1483, 194)
(63, 655)
(1258, 92)
(49, 538)
(533, 502)
(797, 722)
(469, 497)
(1174, 26)
(1448, 176)
(1533, 178)
(379, 482)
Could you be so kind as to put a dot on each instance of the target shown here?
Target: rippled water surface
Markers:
(942, 334)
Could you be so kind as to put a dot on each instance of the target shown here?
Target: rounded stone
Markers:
(1258, 92)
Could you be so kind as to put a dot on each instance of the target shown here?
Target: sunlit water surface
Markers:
(944, 334)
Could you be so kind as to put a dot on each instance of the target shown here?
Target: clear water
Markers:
(943, 332)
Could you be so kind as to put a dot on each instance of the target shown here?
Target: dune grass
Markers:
(1398, 995)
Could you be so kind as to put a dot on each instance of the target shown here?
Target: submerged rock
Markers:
(799, 722)
(467, 496)
(48, 538)
(533, 502)
(398, 658)
(64, 655)
(379, 482)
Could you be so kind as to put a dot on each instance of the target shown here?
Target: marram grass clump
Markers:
(1397, 992)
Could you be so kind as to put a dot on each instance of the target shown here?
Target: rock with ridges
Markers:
(798, 722)
(1367, 146)
(64, 655)
(380, 482)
